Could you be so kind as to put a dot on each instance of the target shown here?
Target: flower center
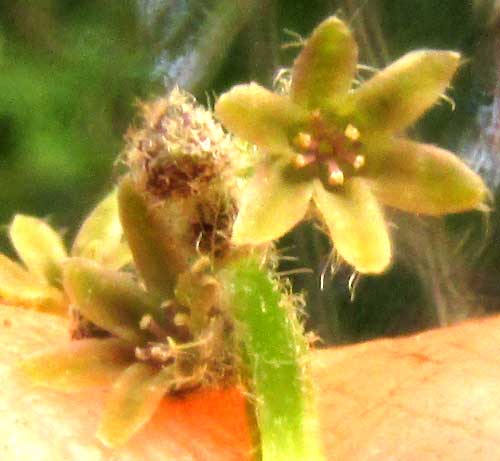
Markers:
(335, 149)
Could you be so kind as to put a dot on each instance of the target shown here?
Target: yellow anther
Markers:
(351, 132)
(301, 160)
(335, 175)
(160, 354)
(359, 161)
(302, 140)
(146, 322)
(336, 178)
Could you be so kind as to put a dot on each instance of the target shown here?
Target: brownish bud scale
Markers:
(184, 166)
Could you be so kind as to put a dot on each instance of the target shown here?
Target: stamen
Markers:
(160, 353)
(302, 160)
(351, 132)
(303, 141)
(148, 323)
(356, 160)
(359, 161)
(335, 175)
(142, 353)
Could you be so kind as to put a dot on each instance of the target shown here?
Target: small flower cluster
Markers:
(194, 296)
(163, 330)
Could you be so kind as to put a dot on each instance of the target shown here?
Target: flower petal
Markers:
(79, 365)
(39, 246)
(134, 399)
(274, 201)
(111, 300)
(356, 225)
(101, 236)
(326, 65)
(398, 95)
(421, 178)
(20, 287)
(259, 116)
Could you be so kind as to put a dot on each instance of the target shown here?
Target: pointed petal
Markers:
(101, 236)
(133, 401)
(159, 254)
(259, 116)
(111, 300)
(20, 287)
(274, 201)
(39, 246)
(79, 365)
(326, 66)
(356, 225)
(398, 95)
(422, 178)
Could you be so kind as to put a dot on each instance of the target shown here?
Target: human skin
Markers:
(432, 396)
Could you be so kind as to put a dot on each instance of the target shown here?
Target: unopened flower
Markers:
(344, 148)
(36, 281)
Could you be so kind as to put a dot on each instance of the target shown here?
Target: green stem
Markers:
(275, 352)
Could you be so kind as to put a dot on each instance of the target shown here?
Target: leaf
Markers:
(101, 236)
(20, 287)
(79, 365)
(111, 300)
(326, 66)
(274, 201)
(134, 398)
(260, 116)
(39, 246)
(356, 225)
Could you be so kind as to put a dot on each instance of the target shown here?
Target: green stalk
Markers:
(275, 353)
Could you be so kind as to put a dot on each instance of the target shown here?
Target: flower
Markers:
(344, 148)
(38, 282)
(141, 346)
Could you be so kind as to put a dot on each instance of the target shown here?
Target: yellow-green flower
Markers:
(344, 148)
(36, 282)
(132, 357)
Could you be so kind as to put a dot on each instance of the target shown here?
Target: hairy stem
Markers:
(275, 351)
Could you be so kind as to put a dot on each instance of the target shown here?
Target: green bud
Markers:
(111, 300)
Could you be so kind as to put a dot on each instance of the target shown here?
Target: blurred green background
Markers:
(71, 73)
